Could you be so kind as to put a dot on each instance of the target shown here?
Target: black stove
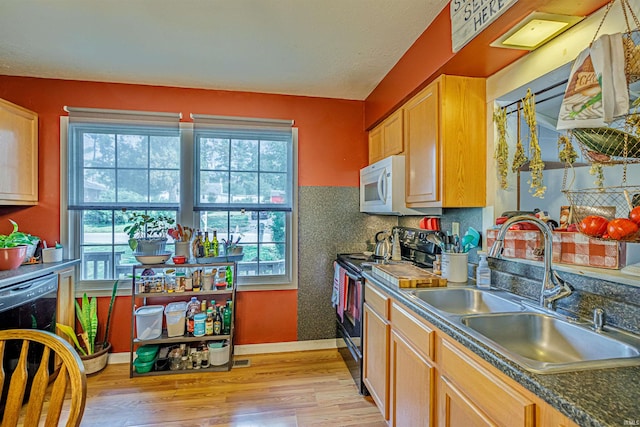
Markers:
(349, 290)
(414, 248)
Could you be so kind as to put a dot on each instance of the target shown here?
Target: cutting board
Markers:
(408, 276)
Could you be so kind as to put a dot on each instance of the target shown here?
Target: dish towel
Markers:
(338, 296)
(607, 54)
(335, 295)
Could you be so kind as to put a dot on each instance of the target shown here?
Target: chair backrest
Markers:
(71, 374)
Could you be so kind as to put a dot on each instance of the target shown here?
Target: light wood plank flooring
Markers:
(311, 388)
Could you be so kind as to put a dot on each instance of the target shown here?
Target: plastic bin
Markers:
(149, 322)
(218, 355)
(175, 315)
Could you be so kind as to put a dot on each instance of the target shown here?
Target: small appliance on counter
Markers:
(415, 250)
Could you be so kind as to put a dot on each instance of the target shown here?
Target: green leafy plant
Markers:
(144, 225)
(87, 315)
(16, 238)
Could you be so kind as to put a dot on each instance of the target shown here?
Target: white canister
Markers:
(454, 267)
(182, 249)
(51, 255)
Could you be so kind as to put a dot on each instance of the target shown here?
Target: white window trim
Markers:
(186, 215)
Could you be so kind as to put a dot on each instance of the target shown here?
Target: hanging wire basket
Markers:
(608, 202)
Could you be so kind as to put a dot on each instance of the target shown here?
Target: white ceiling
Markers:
(326, 48)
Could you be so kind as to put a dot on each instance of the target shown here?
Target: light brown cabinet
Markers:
(412, 371)
(478, 393)
(375, 373)
(387, 138)
(445, 144)
(19, 159)
(65, 310)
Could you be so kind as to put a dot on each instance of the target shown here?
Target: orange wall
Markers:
(331, 150)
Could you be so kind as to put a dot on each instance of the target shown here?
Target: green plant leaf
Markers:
(113, 298)
(68, 331)
(93, 319)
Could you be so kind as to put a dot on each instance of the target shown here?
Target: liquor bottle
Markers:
(207, 245)
(217, 323)
(215, 247)
(208, 326)
(226, 319)
(200, 245)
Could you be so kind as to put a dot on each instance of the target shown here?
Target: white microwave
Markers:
(382, 189)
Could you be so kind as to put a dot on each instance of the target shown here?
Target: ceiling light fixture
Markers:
(535, 30)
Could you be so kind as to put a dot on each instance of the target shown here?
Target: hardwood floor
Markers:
(311, 388)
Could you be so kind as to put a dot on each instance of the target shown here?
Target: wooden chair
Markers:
(71, 373)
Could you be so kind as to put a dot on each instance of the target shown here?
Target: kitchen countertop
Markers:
(598, 397)
(33, 271)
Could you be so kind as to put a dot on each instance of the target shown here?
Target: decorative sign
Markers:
(470, 17)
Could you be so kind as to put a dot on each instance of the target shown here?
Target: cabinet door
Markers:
(65, 310)
(411, 385)
(393, 134)
(19, 159)
(503, 404)
(422, 148)
(376, 144)
(456, 410)
(376, 358)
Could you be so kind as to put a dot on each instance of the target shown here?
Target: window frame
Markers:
(70, 221)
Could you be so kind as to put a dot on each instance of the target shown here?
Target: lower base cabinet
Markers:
(65, 309)
(412, 385)
(479, 394)
(456, 409)
(376, 358)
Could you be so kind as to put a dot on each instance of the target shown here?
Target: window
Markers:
(234, 176)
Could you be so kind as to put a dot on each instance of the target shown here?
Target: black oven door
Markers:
(351, 318)
(27, 305)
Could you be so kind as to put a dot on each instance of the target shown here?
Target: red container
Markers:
(179, 259)
(11, 258)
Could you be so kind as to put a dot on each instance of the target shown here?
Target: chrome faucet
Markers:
(553, 287)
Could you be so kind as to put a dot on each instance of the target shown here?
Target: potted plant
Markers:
(93, 352)
(13, 248)
(148, 233)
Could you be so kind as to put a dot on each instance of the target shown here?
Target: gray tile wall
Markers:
(329, 222)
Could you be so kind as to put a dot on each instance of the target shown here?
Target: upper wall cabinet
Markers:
(445, 144)
(386, 139)
(19, 159)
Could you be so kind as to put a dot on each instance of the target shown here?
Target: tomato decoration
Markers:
(621, 228)
(594, 225)
(634, 215)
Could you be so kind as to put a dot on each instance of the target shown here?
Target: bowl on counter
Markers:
(179, 259)
(153, 259)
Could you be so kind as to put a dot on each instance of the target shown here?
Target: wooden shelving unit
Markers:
(164, 339)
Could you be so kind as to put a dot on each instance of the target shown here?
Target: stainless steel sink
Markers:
(467, 300)
(543, 343)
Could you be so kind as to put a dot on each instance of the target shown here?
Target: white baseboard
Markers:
(246, 349)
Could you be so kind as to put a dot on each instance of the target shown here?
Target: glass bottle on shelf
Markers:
(209, 323)
(217, 322)
(226, 319)
(207, 245)
(215, 247)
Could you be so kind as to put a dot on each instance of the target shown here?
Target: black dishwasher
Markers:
(27, 305)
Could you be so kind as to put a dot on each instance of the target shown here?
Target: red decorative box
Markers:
(568, 248)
